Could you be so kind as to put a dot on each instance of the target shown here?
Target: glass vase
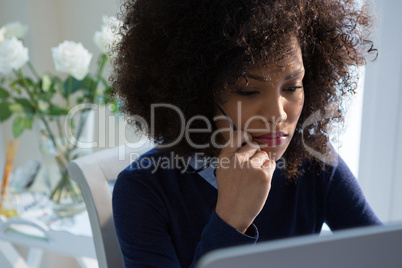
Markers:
(60, 141)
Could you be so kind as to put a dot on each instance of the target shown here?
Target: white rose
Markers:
(13, 55)
(72, 58)
(107, 38)
(15, 29)
(2, 31)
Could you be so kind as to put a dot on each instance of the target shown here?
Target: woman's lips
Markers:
(272, 139)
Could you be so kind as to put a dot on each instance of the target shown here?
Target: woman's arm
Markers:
(243, 176)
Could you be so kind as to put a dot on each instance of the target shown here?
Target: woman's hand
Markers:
(243, 176)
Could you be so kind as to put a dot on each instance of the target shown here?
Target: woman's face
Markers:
(270, 106)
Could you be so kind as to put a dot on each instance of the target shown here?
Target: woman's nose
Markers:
(274, 109)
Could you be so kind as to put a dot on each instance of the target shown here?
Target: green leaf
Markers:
(26, 104)
(46, 96)
(57, 83)
(57, 110)
(88, 81)
(29, 82)
(4, 93)
(5, 111)
(20, 124)
(16, 86)
(16, 108)
(76, 84)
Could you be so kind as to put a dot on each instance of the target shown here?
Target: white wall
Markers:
(381, 145)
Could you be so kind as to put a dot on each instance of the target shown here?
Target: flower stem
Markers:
(60, 129)
(81, 124)
(101, 66)
(31, 67)
(69, 89)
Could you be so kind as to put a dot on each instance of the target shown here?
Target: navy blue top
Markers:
(165, 217)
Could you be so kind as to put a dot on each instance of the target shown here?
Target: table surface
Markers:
(37, 226)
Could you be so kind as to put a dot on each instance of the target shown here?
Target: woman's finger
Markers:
(247, 151)
(258, 159)
(269, 165)
(236, 141)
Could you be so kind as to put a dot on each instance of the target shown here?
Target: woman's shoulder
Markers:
(327, 168)
(155, 166)
(146, 163)
(139, 176)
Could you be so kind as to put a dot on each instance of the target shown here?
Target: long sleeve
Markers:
(346, 206)
(218, 234)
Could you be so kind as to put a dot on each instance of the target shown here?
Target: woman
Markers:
(240, 97)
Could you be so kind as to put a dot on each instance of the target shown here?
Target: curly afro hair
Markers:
(187, 52)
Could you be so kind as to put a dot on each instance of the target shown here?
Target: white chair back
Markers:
(94, 173)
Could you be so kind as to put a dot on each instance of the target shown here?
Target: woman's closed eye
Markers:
(293, 89)
(247, 92)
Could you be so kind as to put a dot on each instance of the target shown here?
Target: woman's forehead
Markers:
(292, 62)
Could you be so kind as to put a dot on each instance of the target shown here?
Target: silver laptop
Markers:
(374, 246)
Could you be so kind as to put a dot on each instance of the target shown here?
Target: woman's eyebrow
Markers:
(295, 74)
(258, 78)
